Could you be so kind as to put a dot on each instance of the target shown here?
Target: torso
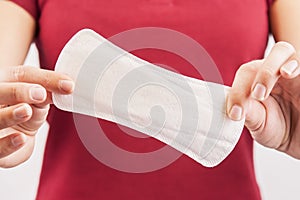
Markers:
(232, 32)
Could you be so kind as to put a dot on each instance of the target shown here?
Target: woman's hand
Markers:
(267, 94)
(25, 95)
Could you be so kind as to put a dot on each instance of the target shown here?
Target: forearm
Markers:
(17, 31)
(285, 21)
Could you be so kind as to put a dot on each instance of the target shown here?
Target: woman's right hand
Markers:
(25, 95)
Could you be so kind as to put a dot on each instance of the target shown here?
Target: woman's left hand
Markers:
(267, 93)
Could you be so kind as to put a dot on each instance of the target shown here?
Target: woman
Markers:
(233, 33)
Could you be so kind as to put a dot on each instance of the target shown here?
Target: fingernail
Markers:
(236, 112)
(290, 67)
(22, 112)
(18, 140)
(38, 93)
(66, 85)
(259, 92)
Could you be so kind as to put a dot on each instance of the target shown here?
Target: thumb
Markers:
(11, 143)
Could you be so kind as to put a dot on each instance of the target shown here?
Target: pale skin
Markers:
(26, 90)
(266, 92)
(271, 109)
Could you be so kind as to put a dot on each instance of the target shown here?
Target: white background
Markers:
(278, 175)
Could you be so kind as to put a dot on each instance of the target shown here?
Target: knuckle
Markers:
(14, 93)
(39, 118)
(235, 96)
(250, 67)
(4, 120)
(267, 74)
(18, 73)
(285, 46)
(2, 152)
(242, 69)
(46, 80)
(3, 163)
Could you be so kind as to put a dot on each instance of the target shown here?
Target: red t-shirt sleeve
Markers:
(31, 6)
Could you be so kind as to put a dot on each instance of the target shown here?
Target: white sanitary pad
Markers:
(112, 84)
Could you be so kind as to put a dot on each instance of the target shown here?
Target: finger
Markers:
(269, 73)
(13, 115)
(265, 133)
(291, 68)
(39, 115)
(11, 143)
(13, 93)
(19, 156)
(50, 80)
(237, 99)
(47, 101)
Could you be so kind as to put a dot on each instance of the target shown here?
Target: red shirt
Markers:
(233, 32)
